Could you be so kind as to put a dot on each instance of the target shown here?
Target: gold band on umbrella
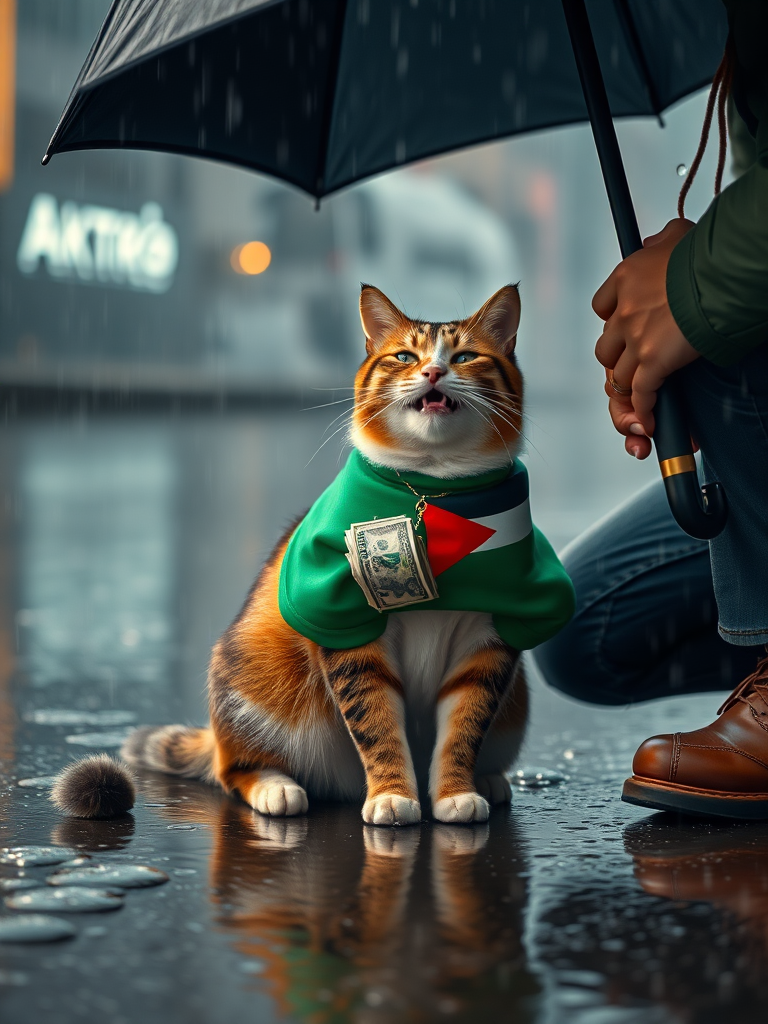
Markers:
(679, 464)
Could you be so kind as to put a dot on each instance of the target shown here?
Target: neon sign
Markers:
(99, 245)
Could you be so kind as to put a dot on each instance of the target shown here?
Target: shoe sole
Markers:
(664, 796)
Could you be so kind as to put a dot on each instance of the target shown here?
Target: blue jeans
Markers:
(657, 612)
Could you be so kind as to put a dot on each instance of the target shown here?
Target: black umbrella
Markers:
(324, 93)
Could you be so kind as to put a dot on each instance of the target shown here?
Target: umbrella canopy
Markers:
(323, 93)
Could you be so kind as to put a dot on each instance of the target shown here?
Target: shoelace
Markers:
(760, 675)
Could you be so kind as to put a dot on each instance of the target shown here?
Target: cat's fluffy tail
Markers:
(174, 749)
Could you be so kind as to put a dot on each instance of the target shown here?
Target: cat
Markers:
(437, 703)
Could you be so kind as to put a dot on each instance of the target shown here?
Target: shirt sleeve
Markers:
(717, 276)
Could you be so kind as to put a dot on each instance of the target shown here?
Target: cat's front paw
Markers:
(279, 799)
(461, 808)
(495, 788)
(389, 809)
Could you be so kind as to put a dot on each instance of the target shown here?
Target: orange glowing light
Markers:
(251, 258)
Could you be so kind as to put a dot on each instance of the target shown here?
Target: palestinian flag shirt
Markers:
(486, 555)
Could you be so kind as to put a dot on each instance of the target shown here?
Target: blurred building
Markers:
(134, 270)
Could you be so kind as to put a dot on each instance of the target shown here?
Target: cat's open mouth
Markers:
(435, 402)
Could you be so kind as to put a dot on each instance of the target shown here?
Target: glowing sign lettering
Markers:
(98, 244)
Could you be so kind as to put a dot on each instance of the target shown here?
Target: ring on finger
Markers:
(617, 387)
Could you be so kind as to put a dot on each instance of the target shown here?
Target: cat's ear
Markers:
(379, 316)
(500, 318)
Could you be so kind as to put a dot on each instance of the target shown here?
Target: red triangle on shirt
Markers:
(451, 538)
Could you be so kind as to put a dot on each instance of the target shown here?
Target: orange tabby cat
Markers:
(437, 703)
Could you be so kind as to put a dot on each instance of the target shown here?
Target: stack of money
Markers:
(389, 561)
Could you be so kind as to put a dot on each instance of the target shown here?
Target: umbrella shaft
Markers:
(600, 118)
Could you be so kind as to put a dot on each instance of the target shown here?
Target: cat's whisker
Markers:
(490, 422)
(329, 438)
(326, 405)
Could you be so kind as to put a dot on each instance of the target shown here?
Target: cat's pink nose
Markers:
(433, 372)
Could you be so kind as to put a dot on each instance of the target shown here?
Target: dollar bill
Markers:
(389, 561)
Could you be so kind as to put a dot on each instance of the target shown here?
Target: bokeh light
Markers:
(251, 258)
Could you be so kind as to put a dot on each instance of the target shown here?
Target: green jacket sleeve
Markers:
(717, 277)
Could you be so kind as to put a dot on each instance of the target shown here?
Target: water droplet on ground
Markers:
(35, 928)
(536, 778)
(68, 900)
(98, 739)
(127, 876)
(39, 782)
(67, 716)
(35, 856)
(13, 884)
(8, 978)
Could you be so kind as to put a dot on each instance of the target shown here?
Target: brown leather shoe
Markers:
(720, 770)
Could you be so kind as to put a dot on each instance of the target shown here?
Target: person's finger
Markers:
(624, 369)
(638, 447)
(610, 344)
(605, 298)
(645, 384)
(624, 419)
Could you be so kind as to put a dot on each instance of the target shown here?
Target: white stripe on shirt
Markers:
(510, 526)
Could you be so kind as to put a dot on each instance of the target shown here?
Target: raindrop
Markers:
(66, 716)
(536, 778)
(252, 966)
(69, 901)
(682, 170)
(127, 876)
(98, 739)
(36, 856)
(35, 928)
(39, 782)
(182, 828)
(12, 884)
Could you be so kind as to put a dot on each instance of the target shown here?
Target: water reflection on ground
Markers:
(123, 551)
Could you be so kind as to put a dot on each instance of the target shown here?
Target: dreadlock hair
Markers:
(718, 94)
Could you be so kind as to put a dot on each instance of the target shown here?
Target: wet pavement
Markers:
(124, 548)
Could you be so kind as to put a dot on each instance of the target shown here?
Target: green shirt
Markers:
(522, 584)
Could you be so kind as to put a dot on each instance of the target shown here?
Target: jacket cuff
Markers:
(683, 299)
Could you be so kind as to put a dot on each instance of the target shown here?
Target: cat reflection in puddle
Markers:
(331, 917)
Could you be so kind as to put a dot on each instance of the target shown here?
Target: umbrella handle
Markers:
(700, 511)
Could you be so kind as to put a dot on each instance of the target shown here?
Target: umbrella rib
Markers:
(334, 61)
(635, 43)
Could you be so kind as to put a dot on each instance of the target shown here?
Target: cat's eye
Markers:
(405, 357)
(465, 357)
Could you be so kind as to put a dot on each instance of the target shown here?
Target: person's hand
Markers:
(641, 343)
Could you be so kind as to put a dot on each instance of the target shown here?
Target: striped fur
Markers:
(437, 706)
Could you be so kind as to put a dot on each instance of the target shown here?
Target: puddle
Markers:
(67, 716)
(35, 928)
(39, 782)
(127, 876)
(536, 778)
(72, 900)
(98, 739)
(36, 856)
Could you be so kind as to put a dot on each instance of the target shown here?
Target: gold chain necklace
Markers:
(421, 504)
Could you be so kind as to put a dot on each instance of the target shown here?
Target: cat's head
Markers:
(443, 399)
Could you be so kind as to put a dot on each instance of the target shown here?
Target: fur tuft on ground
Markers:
(94, 787)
